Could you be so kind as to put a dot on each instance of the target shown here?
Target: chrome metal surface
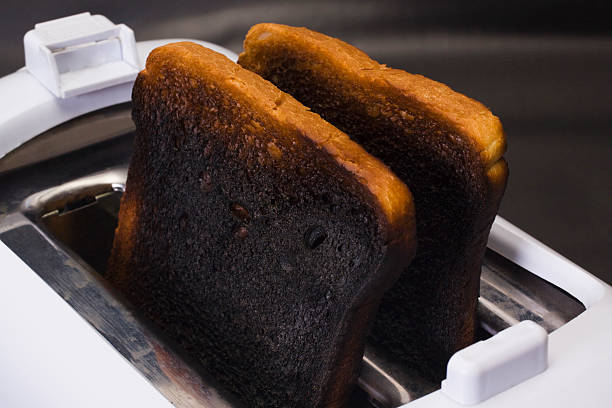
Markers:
(510, 294)
(59, 216)
(86, 130)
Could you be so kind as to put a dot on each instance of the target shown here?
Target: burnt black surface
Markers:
(218, 258)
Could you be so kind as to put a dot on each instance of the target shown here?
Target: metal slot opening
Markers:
(86, 226)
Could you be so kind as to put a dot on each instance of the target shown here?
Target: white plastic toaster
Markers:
(68, 339)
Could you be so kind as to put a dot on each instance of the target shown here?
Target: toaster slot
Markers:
(86, 226)
(79, 219)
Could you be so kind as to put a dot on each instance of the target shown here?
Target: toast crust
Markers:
(465, 115)
(390, 193)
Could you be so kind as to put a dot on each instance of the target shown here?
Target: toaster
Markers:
(69, 339)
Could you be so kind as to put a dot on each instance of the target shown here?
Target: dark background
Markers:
(545, 68)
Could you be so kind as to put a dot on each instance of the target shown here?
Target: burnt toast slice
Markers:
(447, 147)
(255, 234)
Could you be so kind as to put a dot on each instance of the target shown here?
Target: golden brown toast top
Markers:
(391, 194)
(465, 115)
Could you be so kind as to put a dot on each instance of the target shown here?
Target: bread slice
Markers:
(255, 234)
(447, 147)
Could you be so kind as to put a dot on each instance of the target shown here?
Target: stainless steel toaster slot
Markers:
(79, 218)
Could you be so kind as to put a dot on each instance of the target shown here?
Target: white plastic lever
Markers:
(494, 365)
(75, 65)
(82, 53)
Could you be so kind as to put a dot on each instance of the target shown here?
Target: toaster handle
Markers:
(78, 54)
(34, 99)
(491, 366)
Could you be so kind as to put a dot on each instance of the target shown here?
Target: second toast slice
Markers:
(445, 146)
